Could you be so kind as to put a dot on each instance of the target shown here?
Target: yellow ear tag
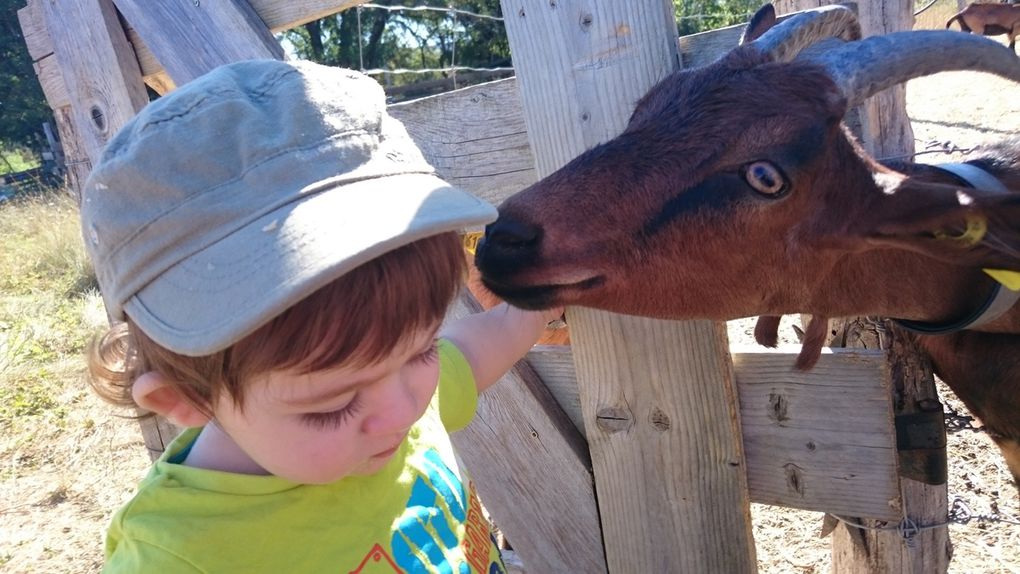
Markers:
(471, 240)
(977, 227)
(1009, 279)
(975, 232)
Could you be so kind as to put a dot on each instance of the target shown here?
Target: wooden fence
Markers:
(675, 432)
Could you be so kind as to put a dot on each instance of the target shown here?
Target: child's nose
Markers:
(395, 408)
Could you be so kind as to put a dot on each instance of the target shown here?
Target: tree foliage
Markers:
(23, 107)
(694, 16)
(375, 38)
(367, 38)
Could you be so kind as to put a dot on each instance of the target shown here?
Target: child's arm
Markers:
(494, 340)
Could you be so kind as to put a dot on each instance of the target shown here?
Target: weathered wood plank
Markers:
(475, 137)
(191, 38)
(532, 472)
(280, 16)
(821, 440)
(98, 68)
(856, 551)
(704, 48)
(275, 15)
(48, 73)
(656, 396)
(33, 28)
(76, 158)
(555, 366)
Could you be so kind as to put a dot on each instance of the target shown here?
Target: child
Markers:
(282, 258)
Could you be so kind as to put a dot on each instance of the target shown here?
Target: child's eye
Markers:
(429, 355)
(333, 419)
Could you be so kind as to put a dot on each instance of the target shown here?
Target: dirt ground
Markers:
(60, 488)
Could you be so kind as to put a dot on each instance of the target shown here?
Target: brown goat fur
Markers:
(664, 221)
(989, 20)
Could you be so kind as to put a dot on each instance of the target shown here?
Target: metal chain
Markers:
(956, 422)
(959, 513)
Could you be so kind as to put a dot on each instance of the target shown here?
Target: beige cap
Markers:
(232, 198)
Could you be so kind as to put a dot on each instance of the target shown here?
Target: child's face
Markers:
(319, 427)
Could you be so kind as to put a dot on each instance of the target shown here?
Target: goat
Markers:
(735, 190)
(989, 20)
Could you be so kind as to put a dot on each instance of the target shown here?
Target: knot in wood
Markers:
(778, 408)
(614, 419)
(794, 478)
(660, 420)
(98, 118)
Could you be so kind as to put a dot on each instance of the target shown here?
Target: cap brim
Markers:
(216, 296)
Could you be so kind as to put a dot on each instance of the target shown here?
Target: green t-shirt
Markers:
(418, 514)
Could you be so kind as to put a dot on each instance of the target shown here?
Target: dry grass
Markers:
(65, 462)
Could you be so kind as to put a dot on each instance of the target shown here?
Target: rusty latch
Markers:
(921, 442)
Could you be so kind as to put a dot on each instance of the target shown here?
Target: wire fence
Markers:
(454, 14)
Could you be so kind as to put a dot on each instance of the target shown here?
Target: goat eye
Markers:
(765, 178)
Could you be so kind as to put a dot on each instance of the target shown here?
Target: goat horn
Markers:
(784, 41)
(862, 69)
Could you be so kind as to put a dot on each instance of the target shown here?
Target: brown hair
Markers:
(356, 320)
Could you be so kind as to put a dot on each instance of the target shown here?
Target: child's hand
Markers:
(492, 341)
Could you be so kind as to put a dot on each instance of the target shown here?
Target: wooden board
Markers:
(475, 137)
(821, 440)
(98, 68)
(191, 38)
(275, 15)
(656, 397)
(532, 471)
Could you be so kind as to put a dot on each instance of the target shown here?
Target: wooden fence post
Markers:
(886, 132)
(657, 397)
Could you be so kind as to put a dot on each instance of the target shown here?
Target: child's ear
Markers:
(154, 392)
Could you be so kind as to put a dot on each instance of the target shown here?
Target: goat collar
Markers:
(1001, 299)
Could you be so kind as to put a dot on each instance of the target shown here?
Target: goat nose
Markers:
(507, 233)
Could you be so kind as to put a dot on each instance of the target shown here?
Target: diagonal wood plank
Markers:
(532, 470)
(190, 38)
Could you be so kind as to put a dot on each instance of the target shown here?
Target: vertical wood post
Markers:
(861, 551)
(98, 66)
(657, 397)
(886, 132)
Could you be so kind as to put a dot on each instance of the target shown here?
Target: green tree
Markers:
(375, 38)
(23, 107)
(694, 16)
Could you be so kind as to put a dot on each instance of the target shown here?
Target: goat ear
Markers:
(762, 20)
(957, 225)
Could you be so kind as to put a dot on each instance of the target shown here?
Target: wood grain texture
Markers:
(98, 67)
(656, 397)
(856, 551)
(474, 137)
(274, 15)
(191, 38)
(33, 28)
(821, 440)
(532, 471)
